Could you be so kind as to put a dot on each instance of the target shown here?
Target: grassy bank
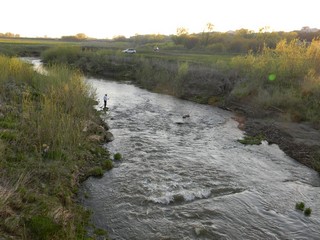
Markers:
(44, 151)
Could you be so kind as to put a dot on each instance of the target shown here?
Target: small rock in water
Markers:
(198, 231)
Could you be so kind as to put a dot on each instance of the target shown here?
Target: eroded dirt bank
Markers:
(300, 141)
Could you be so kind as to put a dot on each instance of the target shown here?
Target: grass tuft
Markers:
(96, 172)
(307, 211)
(300, 206)
(107, 164)
(117, 156)
(252, 140)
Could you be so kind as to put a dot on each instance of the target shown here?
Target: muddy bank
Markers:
(300, 141)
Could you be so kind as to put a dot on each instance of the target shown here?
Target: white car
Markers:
(129, 50)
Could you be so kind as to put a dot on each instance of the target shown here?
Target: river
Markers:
(189, 178)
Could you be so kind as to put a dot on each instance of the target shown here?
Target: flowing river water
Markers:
(189, 178)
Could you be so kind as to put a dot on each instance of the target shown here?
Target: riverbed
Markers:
(184, 175)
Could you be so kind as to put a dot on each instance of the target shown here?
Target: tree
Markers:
(81, 36)
(182, 31)
(206, 34)
(190, 41)
(210, 27)
(9, 35)
(120, 38)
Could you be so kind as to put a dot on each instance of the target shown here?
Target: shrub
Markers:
(62, 54)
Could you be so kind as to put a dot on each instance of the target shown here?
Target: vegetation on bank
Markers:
(286, 78)
(201, 78)
(44, 151)
(276, 82)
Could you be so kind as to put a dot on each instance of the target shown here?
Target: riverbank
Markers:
(51, 140)
(300, 141)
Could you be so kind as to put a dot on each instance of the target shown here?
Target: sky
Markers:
(107, 19)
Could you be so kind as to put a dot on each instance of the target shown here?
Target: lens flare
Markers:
(272, 77)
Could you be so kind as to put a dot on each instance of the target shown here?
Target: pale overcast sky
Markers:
(106, 19)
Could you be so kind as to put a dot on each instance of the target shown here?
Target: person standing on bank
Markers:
(105, 99)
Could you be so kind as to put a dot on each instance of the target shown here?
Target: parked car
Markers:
(129, 50)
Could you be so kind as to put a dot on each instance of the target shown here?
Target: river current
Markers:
(184, 175)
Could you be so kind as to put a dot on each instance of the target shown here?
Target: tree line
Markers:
(239, 41)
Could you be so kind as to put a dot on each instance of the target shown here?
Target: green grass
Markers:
(192, 57)
(252, 140)
(42, 227)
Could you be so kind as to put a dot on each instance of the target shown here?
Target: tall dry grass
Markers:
(42, 150)
(54, 112)
(286, 77)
